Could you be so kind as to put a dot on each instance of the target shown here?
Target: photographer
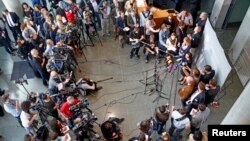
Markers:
(51, 106)
(111, 130)
(88, 85)
(28, 118)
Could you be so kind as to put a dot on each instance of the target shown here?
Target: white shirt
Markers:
(10, 21)
(95, 5)
(182, 123)
(25, 117)
(144, 19)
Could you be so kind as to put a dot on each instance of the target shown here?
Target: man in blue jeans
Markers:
(179, 121)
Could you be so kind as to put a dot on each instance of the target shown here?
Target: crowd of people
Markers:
(48, 41)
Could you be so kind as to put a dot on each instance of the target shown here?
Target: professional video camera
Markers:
(84, 129)
(38, 106)
(77, 109)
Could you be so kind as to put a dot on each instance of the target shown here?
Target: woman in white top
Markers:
(172, 44)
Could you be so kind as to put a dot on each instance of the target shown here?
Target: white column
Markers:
(239, 113)
(242, 39)
(13, 6)
(219, 12)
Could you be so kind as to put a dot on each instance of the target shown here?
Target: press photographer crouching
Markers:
(87, 85)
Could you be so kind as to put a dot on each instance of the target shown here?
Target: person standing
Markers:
(13, 23)
(12, 106)
(39, 64)
(105, 11)
(135, 37)
(28, 118)
(179, 121)
(5, 41)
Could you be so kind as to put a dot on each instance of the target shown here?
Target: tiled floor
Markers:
(123, 96)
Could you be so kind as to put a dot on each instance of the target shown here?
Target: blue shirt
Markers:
(10, 107)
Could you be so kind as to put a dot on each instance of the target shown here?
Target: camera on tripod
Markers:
(21, 81)
(83, 104)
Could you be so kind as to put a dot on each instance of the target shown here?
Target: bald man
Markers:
(54, 81)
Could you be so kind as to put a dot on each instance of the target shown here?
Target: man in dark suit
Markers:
(196, 98)
(132, 20)
(12, 20)
(121, 24)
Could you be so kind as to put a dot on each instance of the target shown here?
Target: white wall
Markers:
(241, 39)
(239, 113)
(219, 12)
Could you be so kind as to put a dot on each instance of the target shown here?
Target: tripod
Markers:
(24, 88)
(156, 82)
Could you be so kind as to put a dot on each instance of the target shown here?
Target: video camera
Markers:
(83, 104)
(21, 81)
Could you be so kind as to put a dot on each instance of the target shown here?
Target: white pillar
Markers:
(239, 113)
(219, 12)
(14, 6)
(241, 40)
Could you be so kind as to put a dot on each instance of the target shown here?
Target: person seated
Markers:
(186, 64)
(212, 89)
(88, 85)
(151, 49)
(111, 130)
(67, 114)
(169, 63)
(196, 98)
(207, 74)
(186, 91)
(172, 44)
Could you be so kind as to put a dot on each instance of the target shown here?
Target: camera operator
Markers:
(54, 81)
(12, 106)
(66, 113)
(88, 85)
(28, 118)
(51, 106)
(111, 130)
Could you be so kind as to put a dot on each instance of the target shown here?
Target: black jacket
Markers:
(14, 17)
